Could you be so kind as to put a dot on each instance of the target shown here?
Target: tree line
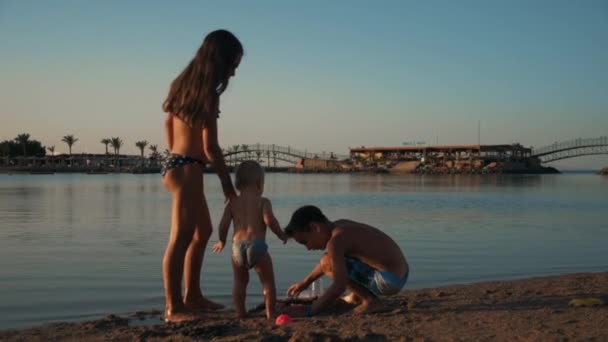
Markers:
(23, 146)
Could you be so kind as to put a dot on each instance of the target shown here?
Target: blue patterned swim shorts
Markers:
(376, 281)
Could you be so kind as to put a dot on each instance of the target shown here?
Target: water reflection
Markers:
(67, 238)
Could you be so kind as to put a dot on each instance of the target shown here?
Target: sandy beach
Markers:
(532, 309)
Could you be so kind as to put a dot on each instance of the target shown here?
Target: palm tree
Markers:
(154, 155)
(70, 140)
(106, 141)
(52, 150)
(116, 143)
(23, 139)
(142, 146)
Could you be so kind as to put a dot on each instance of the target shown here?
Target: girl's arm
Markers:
(169, 131)
(225, 223)
(271, 221)
(213, 152)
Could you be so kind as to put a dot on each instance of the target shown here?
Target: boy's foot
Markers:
(182, 315)
(351, 298)
(371, 306)
(202, 303)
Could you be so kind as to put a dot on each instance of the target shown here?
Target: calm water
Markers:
(76, 246)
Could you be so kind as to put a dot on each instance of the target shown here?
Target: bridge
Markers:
(570, 149)
(270, 154)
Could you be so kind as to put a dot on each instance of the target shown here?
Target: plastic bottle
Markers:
(317, 288)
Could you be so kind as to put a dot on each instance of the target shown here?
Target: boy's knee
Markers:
(325, 264)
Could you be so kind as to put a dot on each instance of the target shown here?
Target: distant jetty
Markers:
(604, 171)
(449, 159)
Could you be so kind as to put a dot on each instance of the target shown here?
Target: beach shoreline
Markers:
(528, 309)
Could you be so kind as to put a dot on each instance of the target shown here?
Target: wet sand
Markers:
(535, 309)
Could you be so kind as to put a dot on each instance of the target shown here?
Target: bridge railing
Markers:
(284, 150)
(571, 144)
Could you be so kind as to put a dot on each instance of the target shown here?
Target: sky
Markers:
(316, 75)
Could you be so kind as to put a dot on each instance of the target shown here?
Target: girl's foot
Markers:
(182, 315)
(201, 303)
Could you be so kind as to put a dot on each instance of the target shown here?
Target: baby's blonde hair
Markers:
(248, 173)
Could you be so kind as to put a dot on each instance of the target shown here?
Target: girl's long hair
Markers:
(194, 94)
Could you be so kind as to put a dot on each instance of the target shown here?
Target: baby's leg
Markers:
(193, 297)
(239, 292)
(266, 274)
(183, 222)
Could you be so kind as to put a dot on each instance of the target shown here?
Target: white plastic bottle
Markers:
(317, 288)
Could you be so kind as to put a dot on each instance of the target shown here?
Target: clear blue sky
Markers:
(317, 75)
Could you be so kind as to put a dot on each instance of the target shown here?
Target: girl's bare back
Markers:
(184, 139)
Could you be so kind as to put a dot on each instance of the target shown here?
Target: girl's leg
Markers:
(239, 291)
(266, 274)
(183, 222)
(193, 297)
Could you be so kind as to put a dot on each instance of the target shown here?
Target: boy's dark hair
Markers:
(302, 218)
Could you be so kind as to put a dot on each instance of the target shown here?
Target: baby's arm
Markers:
(224, 226)
(271, 221)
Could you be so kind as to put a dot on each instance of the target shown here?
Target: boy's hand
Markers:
(296, 288)
(218, 246)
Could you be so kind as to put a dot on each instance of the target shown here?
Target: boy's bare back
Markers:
(370, 245)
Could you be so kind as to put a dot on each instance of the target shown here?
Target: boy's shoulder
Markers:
(344, 230)
(343, 225)
(351, 231)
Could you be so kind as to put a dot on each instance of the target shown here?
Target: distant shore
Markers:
(42, 170)
(533, 309)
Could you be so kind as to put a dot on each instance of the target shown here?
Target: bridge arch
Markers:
(273, 153)
(571, 149)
